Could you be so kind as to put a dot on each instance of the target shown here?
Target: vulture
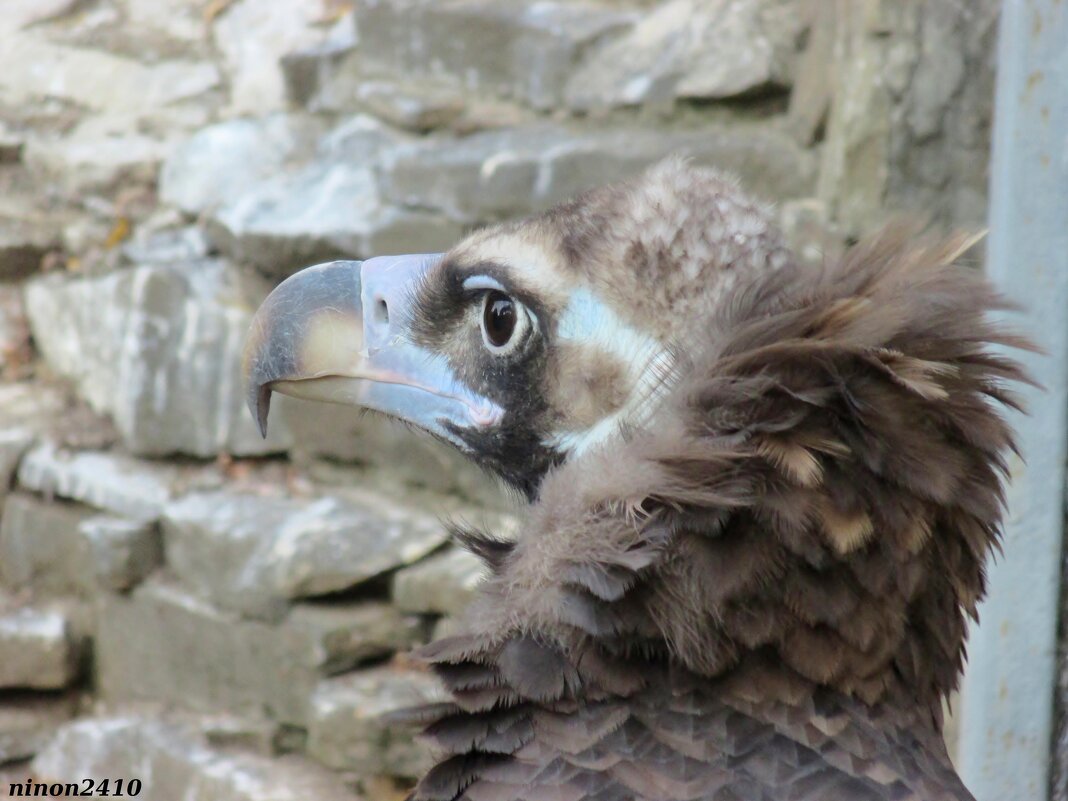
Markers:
(759, 494)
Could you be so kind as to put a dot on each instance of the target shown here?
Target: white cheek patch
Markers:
(587, 321)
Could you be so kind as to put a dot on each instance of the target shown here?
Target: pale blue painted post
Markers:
(1007, 699)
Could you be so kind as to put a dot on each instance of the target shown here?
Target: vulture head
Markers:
(527, 343)
(762, 493)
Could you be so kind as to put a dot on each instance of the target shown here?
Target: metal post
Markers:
(1007, 699)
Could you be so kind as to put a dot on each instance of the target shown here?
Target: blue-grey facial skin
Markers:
(337, 332)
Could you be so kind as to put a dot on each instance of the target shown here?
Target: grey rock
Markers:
(690, 49)
(855, 165)
(814, 76)
(418, 107)
(40, 650)
(95, 78)
(909, 123)
(809, 232)
(535, 47)
(169, 245)
(229, 731)
(218, 163)
(324, 77)
(339, 446)
(39, 546)
(30, 406)
(99, 154)
(486, 176)
(28, 722)
(342, 636)
(346, 730)
(940, 141)
(15, 348)
(275, 198)
(119, 552)
(113, 482)
(158, 348)
(24, 13)
(330, 210)
(337, 80)
(23, 242)
(506, 173)
(252, 43)
(10, 145)
(175, 762)
(441, 584)
(254, 554)
(179, 21)
(162, 643)
(13, 443)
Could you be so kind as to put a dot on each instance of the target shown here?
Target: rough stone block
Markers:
(691, 50)
(29, 720)
(252, 39)
(499, 174)
(254, 554)
(335, 79)
(113, 482)
(342, 636)
(327, 438)
(161, 643)
(281, 193)
(808, 231)
(39, 546)
(157, 347)
(324, 77)
(30, 406)
(95, 78)
(40, 650)
(911, 109)
(179, 23)
(27, 410)
(10, 145)
(22, 244)
(175, 762)
(119, 552)
(411, 107)
(535, 46)
(166, 242)
(441, 584)
(15, 348)
(106, 151)
(256, 735)
(213, 168)
(346, 730)
(814, 76)
(855, 164)
(14, 442)
(329, 210)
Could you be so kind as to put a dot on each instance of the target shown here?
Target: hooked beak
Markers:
(312, 339)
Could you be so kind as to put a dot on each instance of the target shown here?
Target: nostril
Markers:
(381, 311)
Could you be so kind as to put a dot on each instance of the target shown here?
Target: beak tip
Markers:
(259, 404)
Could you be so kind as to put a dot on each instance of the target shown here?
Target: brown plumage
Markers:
(755, 583)
(763, 592)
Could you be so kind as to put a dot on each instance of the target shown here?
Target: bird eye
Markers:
(503, 321)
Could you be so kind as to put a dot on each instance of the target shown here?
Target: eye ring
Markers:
(504, 322)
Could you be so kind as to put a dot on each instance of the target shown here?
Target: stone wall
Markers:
(225, 617)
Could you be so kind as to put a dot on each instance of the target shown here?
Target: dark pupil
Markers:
(499, 318)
